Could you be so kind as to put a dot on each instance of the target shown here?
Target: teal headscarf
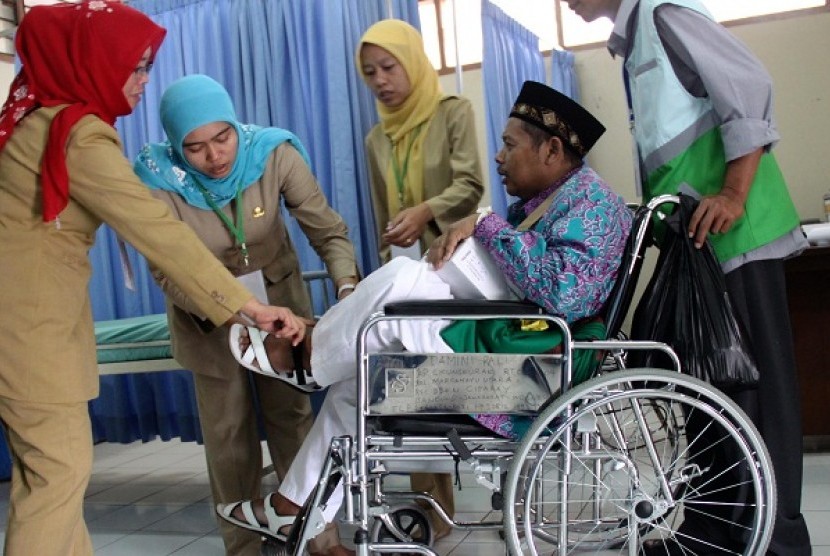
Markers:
(186, 105)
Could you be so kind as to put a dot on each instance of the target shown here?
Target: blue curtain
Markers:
(285, 63)
(563, 75)
(511, 57)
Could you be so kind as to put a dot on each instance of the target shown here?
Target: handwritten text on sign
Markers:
(464, 383)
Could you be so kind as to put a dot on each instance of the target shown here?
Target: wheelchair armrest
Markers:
(451, 307)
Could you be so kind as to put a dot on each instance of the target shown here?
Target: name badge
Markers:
(255, 282)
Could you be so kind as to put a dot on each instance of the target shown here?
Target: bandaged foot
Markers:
(274, 357)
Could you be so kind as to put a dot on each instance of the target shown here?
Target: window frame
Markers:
(17, 9)
(446, 70)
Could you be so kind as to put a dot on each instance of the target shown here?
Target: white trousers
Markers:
(334, 360)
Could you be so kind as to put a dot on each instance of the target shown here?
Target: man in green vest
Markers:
(702, 119)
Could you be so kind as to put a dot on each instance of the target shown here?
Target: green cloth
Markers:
(506, 336)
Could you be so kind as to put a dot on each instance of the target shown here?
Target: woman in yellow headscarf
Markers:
(424, 167)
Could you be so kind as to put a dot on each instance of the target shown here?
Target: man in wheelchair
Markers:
(561, 244)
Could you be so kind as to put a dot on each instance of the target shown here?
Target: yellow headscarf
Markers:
(405, 125)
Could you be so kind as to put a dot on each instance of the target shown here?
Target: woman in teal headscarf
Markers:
(227, 181)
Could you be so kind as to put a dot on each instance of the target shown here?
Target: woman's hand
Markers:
(444, 246)
(408, 226)
(279, 321)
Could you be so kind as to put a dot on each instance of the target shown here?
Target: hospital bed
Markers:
(142, 344)
(134, 345)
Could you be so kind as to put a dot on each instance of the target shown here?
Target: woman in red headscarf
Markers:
(63, 174)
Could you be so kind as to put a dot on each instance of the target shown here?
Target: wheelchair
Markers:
(622, 457)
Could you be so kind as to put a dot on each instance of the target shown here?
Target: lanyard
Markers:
(237, 231)
(627, 85)
(400, 173)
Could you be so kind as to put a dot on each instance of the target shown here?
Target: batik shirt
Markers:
(567, 262)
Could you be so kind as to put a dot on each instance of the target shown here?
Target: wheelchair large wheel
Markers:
(628, 457)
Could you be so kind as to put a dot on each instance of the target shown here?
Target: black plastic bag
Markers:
(686, 306)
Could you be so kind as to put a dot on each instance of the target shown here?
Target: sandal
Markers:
(275, 522)
(295, 359)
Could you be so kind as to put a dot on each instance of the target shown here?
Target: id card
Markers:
(126, 266)
(255, 282)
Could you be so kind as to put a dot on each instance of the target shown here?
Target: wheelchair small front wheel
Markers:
(403, 523)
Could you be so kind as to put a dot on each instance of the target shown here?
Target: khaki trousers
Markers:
(232, 443)
(51, 448)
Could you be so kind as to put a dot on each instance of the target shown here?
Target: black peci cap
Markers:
(559, 115)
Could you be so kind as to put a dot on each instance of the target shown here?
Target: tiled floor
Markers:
(153, 499)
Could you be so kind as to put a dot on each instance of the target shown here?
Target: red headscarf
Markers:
(80, 55)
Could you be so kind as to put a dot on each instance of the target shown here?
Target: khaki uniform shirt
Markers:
(453, 182)
(47, 344)
(204, 349)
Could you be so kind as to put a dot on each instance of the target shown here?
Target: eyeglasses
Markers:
(143, 70)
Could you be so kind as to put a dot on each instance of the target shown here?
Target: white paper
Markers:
(255, 282)
(471, 273)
